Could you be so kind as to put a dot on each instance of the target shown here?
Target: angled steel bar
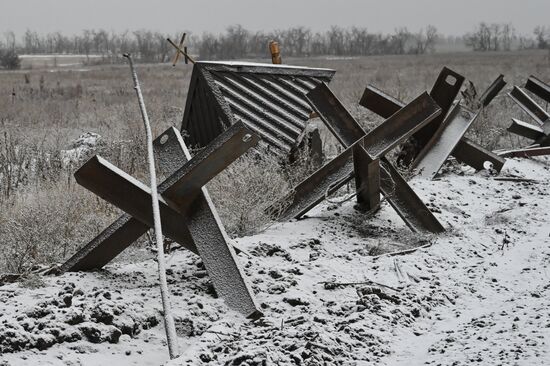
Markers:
(466, 150)
(529, 106)
(171, 156)
(492, 91)
(314, 189)
(444, 92)
(526, 129)
(195, 221)
(527, 152)
(379, 102)
(443, 142)
(538, 87)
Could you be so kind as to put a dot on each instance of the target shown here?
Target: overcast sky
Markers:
(450, 17)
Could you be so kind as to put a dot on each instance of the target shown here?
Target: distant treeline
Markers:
(238, 42)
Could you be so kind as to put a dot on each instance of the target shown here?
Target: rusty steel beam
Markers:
(126, 229)
(466, 150)
(406, 202)
(313, 190)
(538, 87)
(379, 102)
(444, 92)
(441, 145)
(367, 178)
(492, 91)
(529, 106)
(525, 129)
(387, 135)
(527, 152)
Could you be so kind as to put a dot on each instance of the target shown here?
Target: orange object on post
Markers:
(275, 52)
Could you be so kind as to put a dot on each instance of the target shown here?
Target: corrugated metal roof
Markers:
(269, 99)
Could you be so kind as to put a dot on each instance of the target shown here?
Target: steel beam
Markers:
(538, 87)
(441, 145)
(401, 197)
(492, 91)
(444, 92)
(529, 106)
(392, 132)
(525, 129)
(466, 151)
(313, 190)
(527, 152)
(367, 178)
(171, 155)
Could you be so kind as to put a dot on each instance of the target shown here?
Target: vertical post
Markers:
(275, 53)
(169, 324)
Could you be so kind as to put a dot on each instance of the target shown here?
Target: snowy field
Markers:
(476, 295)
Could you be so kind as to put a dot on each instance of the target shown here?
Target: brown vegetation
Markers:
(44, 215)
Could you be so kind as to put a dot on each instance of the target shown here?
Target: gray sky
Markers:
(450, 17)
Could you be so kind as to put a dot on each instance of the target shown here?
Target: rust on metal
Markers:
(192, 221)
(269, 99)
(444, 141)
(465, 151)
(468, 152)
(525, 129)
(538, 87)
(275, 53)
(529, 106)
(492, 91)
(526, 152)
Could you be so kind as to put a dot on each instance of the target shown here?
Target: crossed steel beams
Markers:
(540, 135)
(448, 137)
(364, 159)
(188, 215)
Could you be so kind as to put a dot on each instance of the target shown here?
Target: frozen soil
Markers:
(475, 295)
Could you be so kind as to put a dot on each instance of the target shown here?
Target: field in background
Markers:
(44, 108)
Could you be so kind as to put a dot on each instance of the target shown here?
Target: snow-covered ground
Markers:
(476, 295)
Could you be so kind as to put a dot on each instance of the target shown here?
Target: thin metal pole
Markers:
(169, 324)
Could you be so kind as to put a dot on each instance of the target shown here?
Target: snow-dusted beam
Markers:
(188, 215)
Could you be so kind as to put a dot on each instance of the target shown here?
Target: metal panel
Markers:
(538, 87)
(492, 91)
(526, 129)
(475, 156)
(269, 99)
(529, 106)
(441, 145)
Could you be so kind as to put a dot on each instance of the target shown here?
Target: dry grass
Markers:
(44, 216)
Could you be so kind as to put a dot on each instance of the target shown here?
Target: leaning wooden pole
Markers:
(169, 324)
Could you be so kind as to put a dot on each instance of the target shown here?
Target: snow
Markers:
(475, 295)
